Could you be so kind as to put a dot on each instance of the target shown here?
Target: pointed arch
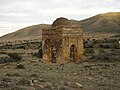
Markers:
(53, 55)
(73, 53)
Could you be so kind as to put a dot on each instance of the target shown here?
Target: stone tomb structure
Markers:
(62, 42)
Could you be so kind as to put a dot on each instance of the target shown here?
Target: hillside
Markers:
(101, 23)
(35, 30)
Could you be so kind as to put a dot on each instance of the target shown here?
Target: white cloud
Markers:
(15, 14)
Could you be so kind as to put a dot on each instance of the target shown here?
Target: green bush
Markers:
(39, 53)
(15, 56)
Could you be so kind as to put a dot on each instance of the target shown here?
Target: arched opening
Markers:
(53, 55)
(73, 53)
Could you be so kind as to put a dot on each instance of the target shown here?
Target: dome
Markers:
(61, 22)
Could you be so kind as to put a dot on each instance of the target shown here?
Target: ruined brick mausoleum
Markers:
(63, 42)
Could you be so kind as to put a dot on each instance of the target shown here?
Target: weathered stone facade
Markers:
(62, 42)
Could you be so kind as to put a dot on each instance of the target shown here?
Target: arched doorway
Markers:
(73, 53)
(53, 55)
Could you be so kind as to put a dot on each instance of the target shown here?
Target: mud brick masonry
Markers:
(63, 42)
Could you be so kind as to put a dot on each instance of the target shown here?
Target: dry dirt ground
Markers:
(70, 76)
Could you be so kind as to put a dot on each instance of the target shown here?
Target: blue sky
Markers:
(17, 14)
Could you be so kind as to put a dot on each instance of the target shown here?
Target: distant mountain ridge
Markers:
(101, 23)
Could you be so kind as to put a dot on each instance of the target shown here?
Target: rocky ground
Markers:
(34, 75)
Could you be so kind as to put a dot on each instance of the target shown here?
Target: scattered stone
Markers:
(31, 83)
(79, 85)
(35, 81)
(39, 87)
(89, 78)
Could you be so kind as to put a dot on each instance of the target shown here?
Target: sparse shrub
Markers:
(20, 66)
(65, 83)
(102, 51)
(39, 53)
(88, 45)
(6, 79)
(112, 43)
(95, 41)
(5, 60)
(106, 58)
(35, 54)
(14, 74)
(8, 74)
(117, 46)
(89, 50)
(105, 45)
(15, 56)
(34, 75)
(23, 82)
(6, 47)
(50, 68)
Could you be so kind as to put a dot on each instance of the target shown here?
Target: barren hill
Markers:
(101, 23)
(27, 32)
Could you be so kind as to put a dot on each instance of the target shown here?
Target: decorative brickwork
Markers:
(63, 42)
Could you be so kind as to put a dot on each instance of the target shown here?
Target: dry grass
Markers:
(92, 75)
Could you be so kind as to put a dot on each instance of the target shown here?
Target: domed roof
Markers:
(61, 22)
